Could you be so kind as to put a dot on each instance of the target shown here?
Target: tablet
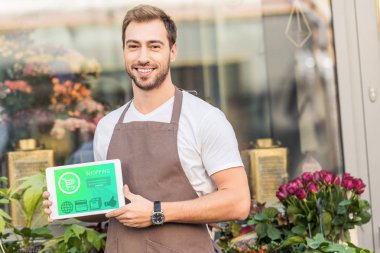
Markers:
(85, 189)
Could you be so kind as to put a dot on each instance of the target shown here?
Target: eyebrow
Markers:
(150, 42)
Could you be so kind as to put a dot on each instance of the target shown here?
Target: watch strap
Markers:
(157, 206)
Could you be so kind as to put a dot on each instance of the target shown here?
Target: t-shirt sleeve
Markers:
(98, 156)
(219, 147)
(100, 142)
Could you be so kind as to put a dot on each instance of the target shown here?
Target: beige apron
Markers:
(151, 168)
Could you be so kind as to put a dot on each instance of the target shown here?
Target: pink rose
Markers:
(348, 184)
(313, 188)
(292, 187)
(337, 181)
(282, 193)
(359, 186)
(328, 178)
(299, 182)
(307, 177)
(316, 176)
(301, 194)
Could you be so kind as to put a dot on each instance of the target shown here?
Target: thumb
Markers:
(127, 193)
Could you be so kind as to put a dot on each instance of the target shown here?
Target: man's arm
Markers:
(231, 201)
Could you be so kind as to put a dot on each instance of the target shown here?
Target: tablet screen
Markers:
(89, 188)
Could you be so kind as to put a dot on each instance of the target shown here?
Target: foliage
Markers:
(315, 214)
(36, 234)
(27, 197)
(76, 239)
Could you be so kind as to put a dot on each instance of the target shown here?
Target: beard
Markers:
(158, 79)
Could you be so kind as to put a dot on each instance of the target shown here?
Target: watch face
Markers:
(158, 218)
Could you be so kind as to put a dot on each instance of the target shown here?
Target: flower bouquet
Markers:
(315, 214)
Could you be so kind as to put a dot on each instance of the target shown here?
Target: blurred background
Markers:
(268, 64)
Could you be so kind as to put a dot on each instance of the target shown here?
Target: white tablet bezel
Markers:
(51, 188)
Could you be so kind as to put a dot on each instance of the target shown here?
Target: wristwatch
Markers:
(158, 216)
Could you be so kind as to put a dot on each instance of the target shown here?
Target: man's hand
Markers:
(47, 204)
(135, 214)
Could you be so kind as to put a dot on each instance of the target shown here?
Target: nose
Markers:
(144, 55)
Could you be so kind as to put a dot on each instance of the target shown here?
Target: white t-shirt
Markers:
(206, 140)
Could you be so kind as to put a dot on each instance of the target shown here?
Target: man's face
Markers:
(147, 54)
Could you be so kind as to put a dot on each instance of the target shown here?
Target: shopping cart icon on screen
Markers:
(69, 183)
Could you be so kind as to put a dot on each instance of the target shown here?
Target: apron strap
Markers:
(177, 106)
(121, 119)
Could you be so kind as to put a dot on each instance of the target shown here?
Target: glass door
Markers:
(356, 35)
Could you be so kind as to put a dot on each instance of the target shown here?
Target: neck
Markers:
(147, 101)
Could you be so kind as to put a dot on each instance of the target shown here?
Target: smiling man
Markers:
(180, 159)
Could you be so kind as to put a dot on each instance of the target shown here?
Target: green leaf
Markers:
(2, 225)
(341, 210)
(298, 229)
(25, 232)
(338, 220)
(73, 250)
(4, 201)
(366, 217)
(294, 240)
(78, 230)
(4, 180)
(250, 222)
(261, 230)
(41, 232)
(293, 210)
(68, 234)
(5, 215)
(310, 216)
(261, 217)
(91, 235)
(235, 229)
(31, 197)
(364, 204)
(271, 212)
(16, 196)
(313, 244)
(274, 233)
(339, 248)
(326, 218)
(345, 202)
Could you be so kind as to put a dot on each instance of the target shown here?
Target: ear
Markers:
(173, 52)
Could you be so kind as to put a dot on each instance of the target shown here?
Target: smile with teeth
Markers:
(145, 70)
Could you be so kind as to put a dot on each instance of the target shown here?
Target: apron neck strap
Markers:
(176, 108)
(121, 119)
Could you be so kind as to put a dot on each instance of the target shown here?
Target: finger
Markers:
(127, 193)
(47, 211)
(50, 220)
(47, 203)
(116, 212)
(46, 195)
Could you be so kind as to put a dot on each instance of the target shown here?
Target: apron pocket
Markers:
(154, 247)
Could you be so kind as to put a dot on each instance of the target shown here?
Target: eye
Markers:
(132, 46)
(156, 47)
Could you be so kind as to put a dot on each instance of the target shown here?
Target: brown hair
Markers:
(145, 13)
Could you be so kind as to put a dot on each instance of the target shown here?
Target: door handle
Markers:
(372, 93)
